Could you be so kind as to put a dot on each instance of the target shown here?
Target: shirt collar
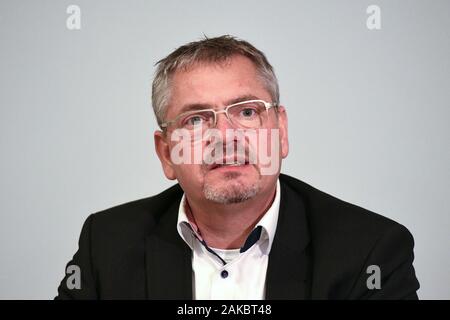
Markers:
(188, 230)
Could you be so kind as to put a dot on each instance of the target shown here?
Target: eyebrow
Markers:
(200, 106)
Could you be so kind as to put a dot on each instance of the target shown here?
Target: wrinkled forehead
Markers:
(215, 84)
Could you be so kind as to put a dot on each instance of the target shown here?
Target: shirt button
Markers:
(224, 274)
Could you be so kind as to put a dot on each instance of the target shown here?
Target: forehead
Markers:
(215, 83)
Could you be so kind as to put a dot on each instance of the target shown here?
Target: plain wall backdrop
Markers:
(368, 115)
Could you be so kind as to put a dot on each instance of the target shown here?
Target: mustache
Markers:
(221, 152)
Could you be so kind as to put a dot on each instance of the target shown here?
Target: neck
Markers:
(227, 226)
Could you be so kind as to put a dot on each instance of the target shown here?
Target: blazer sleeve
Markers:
(393, 254)
(82, 262)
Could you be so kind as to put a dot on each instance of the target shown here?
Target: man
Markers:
(234, 227)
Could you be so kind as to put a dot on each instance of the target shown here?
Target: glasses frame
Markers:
(268, 106)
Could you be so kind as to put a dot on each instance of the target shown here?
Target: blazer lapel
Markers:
(168, 260)
(289, 268)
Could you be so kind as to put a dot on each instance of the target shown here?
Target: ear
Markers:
(163, 151)
(283, 125)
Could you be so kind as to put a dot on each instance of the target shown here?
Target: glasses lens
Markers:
(196, 119)
(248, 115)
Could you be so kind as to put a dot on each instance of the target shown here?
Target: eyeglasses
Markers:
(250, 114)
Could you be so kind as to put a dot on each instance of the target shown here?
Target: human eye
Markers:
(248, 112)
(193, 120)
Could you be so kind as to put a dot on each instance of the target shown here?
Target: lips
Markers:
(229, 163)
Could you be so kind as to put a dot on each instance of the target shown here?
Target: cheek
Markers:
(191, 179)
(191, 173)
(269, 142)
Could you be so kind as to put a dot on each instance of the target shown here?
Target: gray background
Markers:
(368, 112)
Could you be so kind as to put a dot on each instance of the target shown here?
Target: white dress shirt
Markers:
(235, 275)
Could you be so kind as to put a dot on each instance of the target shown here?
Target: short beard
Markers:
(233, 192)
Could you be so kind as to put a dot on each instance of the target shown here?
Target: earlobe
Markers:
(163, 152)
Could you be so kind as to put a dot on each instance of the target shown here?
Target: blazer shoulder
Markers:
(346, 239)
(136, 216)
(335, 218)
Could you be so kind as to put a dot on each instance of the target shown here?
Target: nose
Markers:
(223, 122)
(226, 129)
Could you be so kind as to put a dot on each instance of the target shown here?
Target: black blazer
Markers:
(321, 250)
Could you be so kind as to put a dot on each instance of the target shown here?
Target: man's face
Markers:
(216, 86)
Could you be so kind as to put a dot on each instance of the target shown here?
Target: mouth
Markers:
(229, 165)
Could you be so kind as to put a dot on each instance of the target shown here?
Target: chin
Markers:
(232, 188)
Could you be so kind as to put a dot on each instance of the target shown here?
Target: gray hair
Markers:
(209, 50)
